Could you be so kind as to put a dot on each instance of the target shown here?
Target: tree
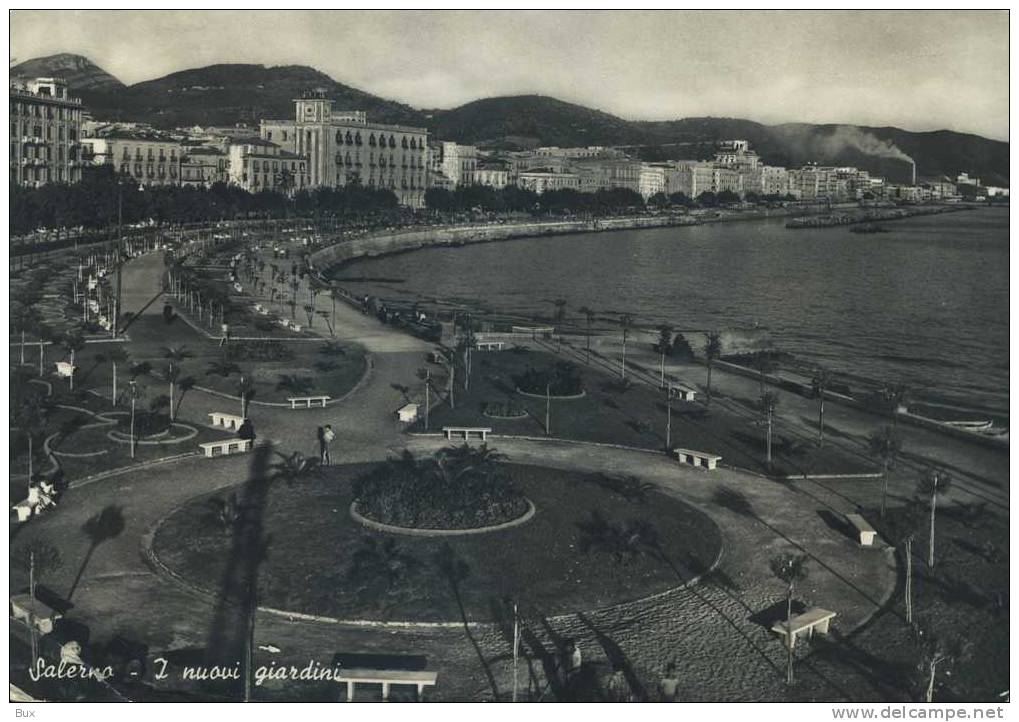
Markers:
(24, 319)
(30, 415)
(789, 568)
(625, 323)
(245, 390)
(900, 529)
(118, 356)
(822, 379)
(768, 403)
(931, 484)
(664, 345)
(935, 652)
(73, 342)
(335, 294)
(426, 376)
(712, 350)
(447, 358)
(589, 317)
(885, 445)
(38, 559)
(895, 397)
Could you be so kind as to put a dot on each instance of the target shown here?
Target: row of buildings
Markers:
(53, 140)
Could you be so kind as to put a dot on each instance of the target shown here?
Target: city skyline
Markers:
(919, 71)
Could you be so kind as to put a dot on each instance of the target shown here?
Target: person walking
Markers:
(327, 439)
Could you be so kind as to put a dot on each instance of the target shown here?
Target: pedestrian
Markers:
(327, 439)
(668, 686)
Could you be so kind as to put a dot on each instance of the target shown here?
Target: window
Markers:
(371, 140)
(268, 135)
(284, 135)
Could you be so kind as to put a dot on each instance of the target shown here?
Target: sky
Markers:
(918, 70)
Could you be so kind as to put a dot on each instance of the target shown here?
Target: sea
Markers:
(924, 303)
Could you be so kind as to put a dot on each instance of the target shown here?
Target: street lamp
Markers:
(134, 397)
(670, 391)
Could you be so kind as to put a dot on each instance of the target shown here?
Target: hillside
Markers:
(79, 72)
(233, 93)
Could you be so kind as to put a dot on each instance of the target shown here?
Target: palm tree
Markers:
(172, 374)
(72, 342)
(447, 357)
(294, 468)
(664, 344)
(885, 445)
(932, 483)
(789, 568)
(309, 310)
(712, 350)
(900, 530)
(589, 317)
(426, 376)
(560, 319)
(334, 294)
(822, 379)
(934, 651)
(245, 390)
(30, 415)
(626, 323)
(39, 559)
(117, 356)
(768, 403)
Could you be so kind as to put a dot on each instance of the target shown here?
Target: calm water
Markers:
(925, 304)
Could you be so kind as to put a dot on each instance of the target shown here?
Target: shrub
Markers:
(562, 379)
(261, 351)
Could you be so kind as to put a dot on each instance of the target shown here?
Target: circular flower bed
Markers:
(461, 487)
(507, 410)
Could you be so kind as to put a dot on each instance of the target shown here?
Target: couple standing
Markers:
(325, 438)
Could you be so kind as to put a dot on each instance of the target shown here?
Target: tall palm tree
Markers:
(73, 342)
(447, 357)
(822, 379)
(626, 323)
(117, 357)
(426, 376)
(789, 568)
(712, 350)
(885, 445)
(931, 484)
(768, 403)
(664, 344)
(589, 317)
(895, 397)
(245, 390)
(172, 375)
(900, 530)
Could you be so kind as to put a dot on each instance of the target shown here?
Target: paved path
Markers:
(709, 630)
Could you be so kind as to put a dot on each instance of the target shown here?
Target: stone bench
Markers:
(227, 421)
(65, 370)
(815, 618)
(697, 458)
(684, 393)
(307, 401)
(466, 431)
(407, 413)
(387, 678)
(24, 510)
(32, 611)
(226, 447)
(490, 345)
(861, 527)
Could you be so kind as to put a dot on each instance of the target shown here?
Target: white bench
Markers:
(815, 618)
(225, 447)
(490, 345)
(24, 509)
(466, 431)
(697, 458)
(296, 327)
(227, 421)
(386, 677)
(285, 322)
(238, 288)
(258, 308)
(32, 611)
(407, 413)
(865, 530)
(307, 401)
(65, 370)
(684, 393)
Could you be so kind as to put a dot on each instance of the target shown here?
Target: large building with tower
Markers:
(344, 148)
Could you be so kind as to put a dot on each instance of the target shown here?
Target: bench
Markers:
(296, 327)
(407, 413)
(861, 527)
(307, 401)
(32, 611)
(386, 677)
(65, 370)
(258, 308)
(807, 622)
(225, 447)
(697, 458)
(238, 288)
(227, 421)
(466, 431)
(490, 345)
(24, 510)
(285, 322)
(683, 393)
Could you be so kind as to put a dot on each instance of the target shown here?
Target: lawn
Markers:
(314, 546)
(628, 414)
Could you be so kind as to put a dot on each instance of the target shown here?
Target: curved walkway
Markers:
(707, 629)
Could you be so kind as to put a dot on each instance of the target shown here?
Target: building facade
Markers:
(204, 166)
(258, 165)
(147, 161)
(45, 133)
(343, 148)
(542, 180)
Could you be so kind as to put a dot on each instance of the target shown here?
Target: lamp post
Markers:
(670, 391)
(134, 397)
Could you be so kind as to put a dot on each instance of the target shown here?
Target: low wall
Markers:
(400, 242)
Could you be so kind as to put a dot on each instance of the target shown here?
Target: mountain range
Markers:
(227, 94)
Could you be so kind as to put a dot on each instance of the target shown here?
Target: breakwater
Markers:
(892, 214)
